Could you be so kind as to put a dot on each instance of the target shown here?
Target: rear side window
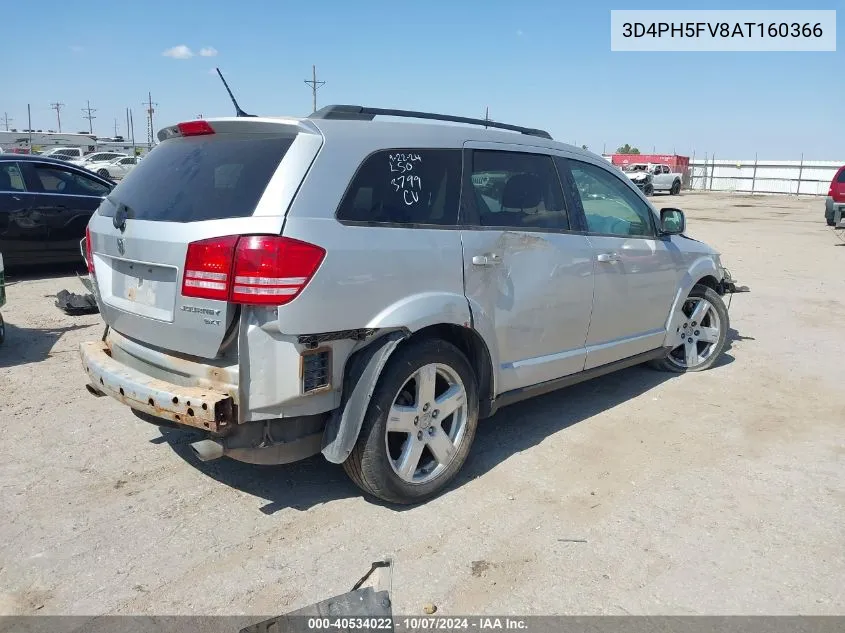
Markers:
(201, 178)
(10, 177)
(517, 190)
(841, 177)
(55, 179)
(405, 186)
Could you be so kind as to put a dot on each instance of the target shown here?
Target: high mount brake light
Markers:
(250, 269)
(195, 128)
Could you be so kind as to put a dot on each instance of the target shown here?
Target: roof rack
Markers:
(361, 113)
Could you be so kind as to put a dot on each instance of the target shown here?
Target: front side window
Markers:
(55, 179)
(611, 207)
(517, 190)
(405, 186)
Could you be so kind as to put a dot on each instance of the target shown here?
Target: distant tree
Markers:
(627, 149)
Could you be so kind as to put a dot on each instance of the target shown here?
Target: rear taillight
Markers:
(195, 128)
(208, 268)
(89, 251)
(252, 269)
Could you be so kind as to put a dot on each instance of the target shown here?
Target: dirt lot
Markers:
(721, 492)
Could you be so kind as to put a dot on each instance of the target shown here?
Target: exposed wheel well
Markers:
(710, 281)
(475, 349)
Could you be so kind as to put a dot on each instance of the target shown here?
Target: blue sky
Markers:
(536, 63)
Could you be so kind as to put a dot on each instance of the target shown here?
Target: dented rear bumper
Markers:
(199, 407)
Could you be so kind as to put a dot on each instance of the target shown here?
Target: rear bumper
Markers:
(831, 207)
(192, 406)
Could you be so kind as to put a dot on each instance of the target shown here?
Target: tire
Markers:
(103, 172)
(2, 330)
(648, 190)
(676, 361)
(676, 188)
(830, 221)
(376, 459)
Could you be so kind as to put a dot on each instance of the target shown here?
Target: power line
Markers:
(315, 85)
(89, 116)
(6, 120)
(57, 107)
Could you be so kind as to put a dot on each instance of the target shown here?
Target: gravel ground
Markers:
(713, 493)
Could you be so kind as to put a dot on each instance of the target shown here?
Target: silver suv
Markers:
(371, 289)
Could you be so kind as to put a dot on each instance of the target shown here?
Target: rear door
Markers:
(22, 237)
(65, 198)
(238, 179)
(528, 272)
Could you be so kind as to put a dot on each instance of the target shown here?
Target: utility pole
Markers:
(115, 127)
(314, 85)
(132, 132)
(150, 111)
(6, 120)
(486, 114)
(57, 107)
(89, 116)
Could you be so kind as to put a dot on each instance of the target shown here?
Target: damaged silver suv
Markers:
(371, 289)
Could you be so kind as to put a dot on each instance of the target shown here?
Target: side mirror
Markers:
(672, 222)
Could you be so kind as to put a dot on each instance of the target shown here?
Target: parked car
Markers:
(2, 298)
(115, 169)
(835, 200)
(364, 289)
(662, 178)
(89, 160)
(63, 153)
(45, 205)
(641, 176)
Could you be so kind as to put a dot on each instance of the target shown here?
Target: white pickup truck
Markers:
(651, 177)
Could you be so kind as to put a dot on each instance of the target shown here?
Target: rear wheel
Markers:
(830, 221)
(103, 172)
(648, 190)
(676, 188)
(701, 334)
(419, 426)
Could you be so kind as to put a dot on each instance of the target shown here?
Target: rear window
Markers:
(405, 186)
(841, 177)
(201, 178)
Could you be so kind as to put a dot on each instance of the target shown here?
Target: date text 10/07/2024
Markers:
(419, 623)
(722, 29)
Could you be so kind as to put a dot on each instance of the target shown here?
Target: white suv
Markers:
(370, 289)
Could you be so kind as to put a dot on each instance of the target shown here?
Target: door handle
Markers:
(490, 259)
(608, 257)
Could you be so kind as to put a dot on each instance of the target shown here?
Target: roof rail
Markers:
(361, 113)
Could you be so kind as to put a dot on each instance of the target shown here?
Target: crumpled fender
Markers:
(360, 379)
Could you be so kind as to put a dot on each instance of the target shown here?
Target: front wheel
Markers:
(419, 426)
(103, 172)
(701, 333)
(648, 190)
(830, 221)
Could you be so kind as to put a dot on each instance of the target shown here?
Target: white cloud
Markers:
(212, 71)
(208, 51)
(179, 52)
(519, 32)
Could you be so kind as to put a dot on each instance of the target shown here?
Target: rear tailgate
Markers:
(238, 180)
(837, 186)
